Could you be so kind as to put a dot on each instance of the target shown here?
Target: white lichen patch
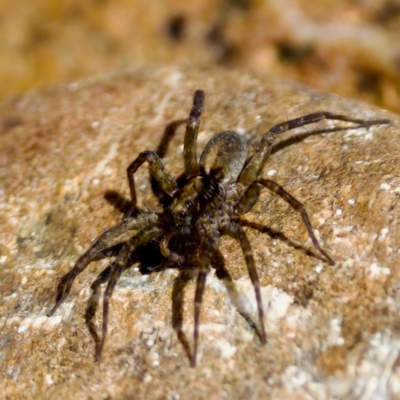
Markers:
(25, 324)
(383, 233)
(226, 349)
(319, 268)
(300, 384)
(385, 186)
(210, 327)
(363, 133)
(32, 323)
(154, 359)
(297, 322)
(377, 271)
(38, 322)
(52, 322)
(275, 302)
(372, 375)
(241, 130)
(49, 380)
(334, 332)
(294, 377)
(13, 321)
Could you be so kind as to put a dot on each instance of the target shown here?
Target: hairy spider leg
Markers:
(180, 283)
(192, 130)
(111, 275)
(94, 302)
(223, 274)
(201, 261)
(256, 163)
(94, 299)
(157, 171)
(236, 231)
(209, 256)
(114, 277)
(109, 238)
(217, 262)
(198, 299)
(300, 208)
(169, 133)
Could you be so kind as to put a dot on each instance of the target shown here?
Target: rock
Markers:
(332, 331)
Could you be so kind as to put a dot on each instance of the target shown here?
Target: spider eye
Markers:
(182, 214)
(189, 204)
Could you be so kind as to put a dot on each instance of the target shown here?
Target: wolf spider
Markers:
(205, 203)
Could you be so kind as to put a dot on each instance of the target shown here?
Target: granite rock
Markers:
(333, 331)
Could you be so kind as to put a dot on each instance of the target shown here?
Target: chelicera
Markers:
(205, 203)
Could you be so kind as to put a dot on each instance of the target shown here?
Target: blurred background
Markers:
(350, 47)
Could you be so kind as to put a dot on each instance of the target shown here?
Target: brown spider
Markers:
(205, 203)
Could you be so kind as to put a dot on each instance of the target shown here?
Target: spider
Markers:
(205, 203)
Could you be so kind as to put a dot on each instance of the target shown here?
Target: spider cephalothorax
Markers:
(204, 204)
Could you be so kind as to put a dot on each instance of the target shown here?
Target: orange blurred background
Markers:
(348, 47)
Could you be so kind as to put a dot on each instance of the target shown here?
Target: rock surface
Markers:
(333, 331)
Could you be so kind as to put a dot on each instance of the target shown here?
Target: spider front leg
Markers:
(111, 275)
(256, 164)
(192, 129)
(157, 171)
(109, 238)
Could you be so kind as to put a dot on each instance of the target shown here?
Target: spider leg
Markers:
(192, 129)
(112, 274)
(109, 238)
(223, 274)
(177, 317)
(198, 298)
(236, 231)
(256, 163)
(180, 283)
(94, 302)
(300, 208)
(157, 171)
(169, 133)
(177, 296)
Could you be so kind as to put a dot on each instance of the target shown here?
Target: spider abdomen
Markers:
(224, 156)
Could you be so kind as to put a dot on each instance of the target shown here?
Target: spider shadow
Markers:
(280, 236)
(235, 297)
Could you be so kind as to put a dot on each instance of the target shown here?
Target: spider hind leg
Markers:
(300, 208)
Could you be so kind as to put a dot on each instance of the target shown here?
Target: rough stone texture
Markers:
(333, 331)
